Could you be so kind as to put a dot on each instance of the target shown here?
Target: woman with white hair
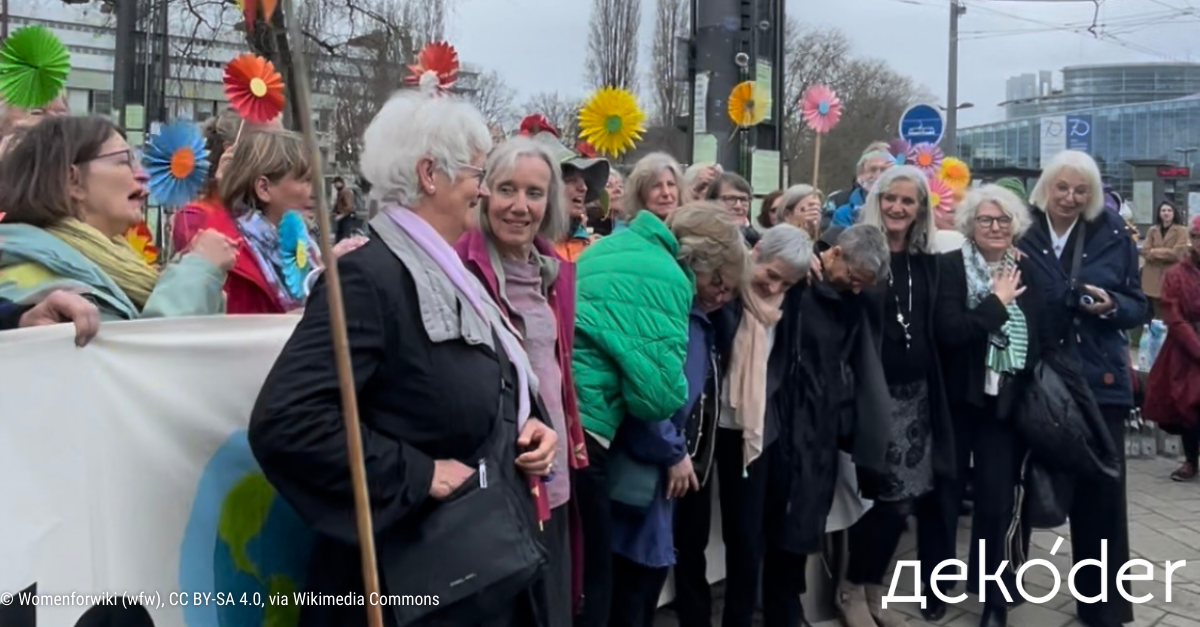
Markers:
(1086, 266)
(989, 321)
(654, 185)
(452, 430)
(752, 367)
(512, 254)
(921, 442)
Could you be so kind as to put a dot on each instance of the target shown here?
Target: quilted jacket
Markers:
(631, 327)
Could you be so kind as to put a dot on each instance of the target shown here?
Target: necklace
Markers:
(904, 324)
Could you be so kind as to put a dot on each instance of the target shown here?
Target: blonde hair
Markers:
(269, 154)
(1076, 161)
(503, 162)
(710, 240)
(920, 236)
(644, 176)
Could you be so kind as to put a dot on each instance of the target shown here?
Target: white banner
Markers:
(125, 470)
(1053, 137)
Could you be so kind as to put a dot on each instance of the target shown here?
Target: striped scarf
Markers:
(1007, 347)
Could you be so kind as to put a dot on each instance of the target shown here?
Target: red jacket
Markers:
(1173, 385)
(246, 290)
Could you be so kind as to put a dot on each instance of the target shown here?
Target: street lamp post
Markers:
(950, 140)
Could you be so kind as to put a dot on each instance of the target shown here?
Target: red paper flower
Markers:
(585, 149)
(254, 88)
(436, 68)
(535, 123)
(250, 10)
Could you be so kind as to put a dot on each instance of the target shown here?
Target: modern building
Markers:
(1089, 86)
(1128, 117)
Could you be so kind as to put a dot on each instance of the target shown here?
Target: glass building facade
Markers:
(1090, 86)
(1116, 134)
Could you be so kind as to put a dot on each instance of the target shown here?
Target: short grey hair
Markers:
(865, 247)
(1076, 161)
(1008, 202)
(503, 162)
(642, 178)
(412, 126)
(788, 243)
(921, 233)
(710, 240)
(872, 155)
(792, 197)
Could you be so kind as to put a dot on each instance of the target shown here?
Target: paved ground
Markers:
(1164, 520)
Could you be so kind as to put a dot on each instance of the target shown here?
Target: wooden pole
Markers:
(816, 161)
(337, 323)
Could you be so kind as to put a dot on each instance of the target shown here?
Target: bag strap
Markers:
(494, 445)
(1077, 252)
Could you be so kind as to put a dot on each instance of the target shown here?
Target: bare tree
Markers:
(613, 43)
(671, 21)
(873, 96)
(493, 97)
(561, 111)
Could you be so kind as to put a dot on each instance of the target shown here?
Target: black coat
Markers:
(418, 401)
(962, 333)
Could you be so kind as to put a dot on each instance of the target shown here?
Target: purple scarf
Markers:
(449, 262)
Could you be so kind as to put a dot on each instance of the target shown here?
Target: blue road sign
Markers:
(922, 124)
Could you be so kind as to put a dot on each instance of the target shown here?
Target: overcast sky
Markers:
(539, 45)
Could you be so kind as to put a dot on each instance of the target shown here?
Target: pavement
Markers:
(1164, 524)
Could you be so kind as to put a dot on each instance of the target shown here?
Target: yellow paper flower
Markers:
(142, 242)
(611, 121)
(955, 173)
(748, 104)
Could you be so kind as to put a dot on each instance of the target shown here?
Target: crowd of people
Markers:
(555, 361)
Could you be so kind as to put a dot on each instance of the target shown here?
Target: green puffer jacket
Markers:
(631, 327)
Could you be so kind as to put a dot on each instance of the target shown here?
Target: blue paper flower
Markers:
(177, 163)
(293, 250)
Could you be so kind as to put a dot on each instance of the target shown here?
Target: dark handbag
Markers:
(478, 549)
(630, 482)
(1048, 495)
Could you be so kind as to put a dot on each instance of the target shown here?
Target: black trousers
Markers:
(557, 579)
(784, 581)
(874, 538)
(998, 451)
(742, 501)
(1191, 445)
(636, 589)
(1099, 513)
(595, 512)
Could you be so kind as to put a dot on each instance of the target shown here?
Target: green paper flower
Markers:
(33, 67)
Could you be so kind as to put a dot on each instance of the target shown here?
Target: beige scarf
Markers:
(748, 369)
(115, 257)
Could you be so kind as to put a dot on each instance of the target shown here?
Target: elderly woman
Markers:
(801, 206)
(512, 254)
(920, 438)
(71, 187)
(1085, 264)
(988, 329)
(654, 185)
(752, 367)
(444, 388)
(843, 208)
(1166, 243)
(734, 193)
(631, 339)
(268, 177)
(616, 192)
(1173, 387)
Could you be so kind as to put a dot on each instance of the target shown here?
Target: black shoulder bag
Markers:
(478, 549)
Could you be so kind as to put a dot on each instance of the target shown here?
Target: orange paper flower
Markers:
(254, 88)
(142, 241)
(436, 68)
(250, 11)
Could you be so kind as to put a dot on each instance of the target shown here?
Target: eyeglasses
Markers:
(480, 173)
(735, 200)
(132, 157)
(987, 221)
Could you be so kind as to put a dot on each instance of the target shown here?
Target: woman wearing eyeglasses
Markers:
(71, 188)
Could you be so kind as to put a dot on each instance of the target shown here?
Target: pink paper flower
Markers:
(941, 196)
(928, 157)
(821, 108)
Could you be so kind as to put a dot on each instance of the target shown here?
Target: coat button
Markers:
(1108, 378)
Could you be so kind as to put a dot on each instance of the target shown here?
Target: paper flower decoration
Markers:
(748, 104)
(941, 196)
(926, 156)
(2, 214)
(899, 148)
(535, 123)
(142, 242)
(254, 88)
(611, 121)
(33, 67)
(177, 163)
(955, 173)
(585, 150)
(821, 108)
(250, 11)
(436, 69)
(293, 250)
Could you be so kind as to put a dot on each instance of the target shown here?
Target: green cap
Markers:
(1014, 185)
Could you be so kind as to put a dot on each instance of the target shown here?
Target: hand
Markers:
(814, 269)
(539, 461)
(448, 475)
(61, 306)
(1006, 285)
(680, 478)
(1104, 303)
(217, 249)
(223, 163)
(348, 244)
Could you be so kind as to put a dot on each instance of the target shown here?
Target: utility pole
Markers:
(123, 66)
(950, 140)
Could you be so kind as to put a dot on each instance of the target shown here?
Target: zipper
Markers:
(482, 473)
